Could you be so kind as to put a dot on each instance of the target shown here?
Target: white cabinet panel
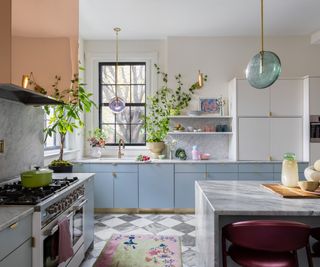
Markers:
(285, 136)
(254, 139)
(314, 96)
(252, 101)
(287, 98)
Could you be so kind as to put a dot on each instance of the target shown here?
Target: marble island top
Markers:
(249, 198)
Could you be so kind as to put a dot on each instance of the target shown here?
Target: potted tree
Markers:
(67, 117)
(161, 105)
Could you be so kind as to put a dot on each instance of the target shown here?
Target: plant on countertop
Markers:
(67, 117)
(98, 138)
(166, 102)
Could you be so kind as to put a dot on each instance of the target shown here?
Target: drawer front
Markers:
(190, 167)
(223, 176)
(12, 237)
(81, 168)
(277, 176)
(222, 167)
(22, 256)
(256, 167)
(255, 176)
(277, 167)
(114, 167)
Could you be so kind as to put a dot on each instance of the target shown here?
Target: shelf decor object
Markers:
(117, 104)
(265, 67)
(200, 80)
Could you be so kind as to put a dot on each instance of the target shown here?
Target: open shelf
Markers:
(200, 133)
(200, 117)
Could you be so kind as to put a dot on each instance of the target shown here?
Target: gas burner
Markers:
(15, 194)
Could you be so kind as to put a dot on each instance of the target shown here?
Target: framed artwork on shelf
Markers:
(209, 105)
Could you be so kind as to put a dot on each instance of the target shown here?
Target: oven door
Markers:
(50, 235)
(315, 132)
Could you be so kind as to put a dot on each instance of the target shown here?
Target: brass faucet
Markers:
(121, 142)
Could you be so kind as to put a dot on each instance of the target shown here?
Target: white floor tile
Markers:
(114, 222)
(192, 222)
(193, 234)
(140, 231)
(141, 222)
(170, 232)
(169, 222)
(106, 234)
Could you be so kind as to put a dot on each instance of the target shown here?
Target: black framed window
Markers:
(52, 142)
(129, 124)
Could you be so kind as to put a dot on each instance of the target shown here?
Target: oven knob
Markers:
(51, 210)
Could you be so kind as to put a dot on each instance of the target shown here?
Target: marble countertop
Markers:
(10, 214)
(249, 198)
(132, 160)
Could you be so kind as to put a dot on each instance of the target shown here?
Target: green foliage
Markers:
(67, 117)
(166, 102)
(58, 163)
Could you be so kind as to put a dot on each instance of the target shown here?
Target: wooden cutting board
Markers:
(287, 192)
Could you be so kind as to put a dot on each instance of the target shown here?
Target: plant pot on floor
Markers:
(156, 148)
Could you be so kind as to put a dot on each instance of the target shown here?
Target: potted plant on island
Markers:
(97, 140)
(161, 105)
(66, 117)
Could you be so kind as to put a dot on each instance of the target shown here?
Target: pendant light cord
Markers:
(262, 33)
(117, 30)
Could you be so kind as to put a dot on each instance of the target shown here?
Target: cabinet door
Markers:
(126, 190)
(156, 186)
(254, 139)
(314, 96)
(22, 256)
(286, 98)
(103, 190)
(185, 189)
(89, 213)
(285, 136)
(252, 101)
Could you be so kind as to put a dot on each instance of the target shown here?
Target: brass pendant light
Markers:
(117, 104)
(265, 67)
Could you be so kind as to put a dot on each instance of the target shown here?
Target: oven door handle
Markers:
(55, 228)
(80, 205)
(314, 123)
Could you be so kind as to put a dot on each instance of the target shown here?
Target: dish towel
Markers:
(65, 245)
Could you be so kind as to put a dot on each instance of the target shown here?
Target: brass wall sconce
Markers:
(200, 79)
(25, 81)
(30, 80)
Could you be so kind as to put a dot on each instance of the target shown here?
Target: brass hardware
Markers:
(25, 81)
(33, 242)
(206, 175)
(114, 175)
(121, 142)
(270, 158)
(270, 114)
(13, 226)
(200, 80)
(1, 146)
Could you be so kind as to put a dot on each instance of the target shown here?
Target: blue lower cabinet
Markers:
(185, 189)
(125, 190)
(103, 190)
(81, 168)
(256, 176)
(223, 176)
(156, 183)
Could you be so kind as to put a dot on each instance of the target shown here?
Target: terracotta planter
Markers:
(156, 148)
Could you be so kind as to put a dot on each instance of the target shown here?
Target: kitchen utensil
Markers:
(308, 185)
(36, 178)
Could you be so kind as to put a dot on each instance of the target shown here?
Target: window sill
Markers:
(56, 152)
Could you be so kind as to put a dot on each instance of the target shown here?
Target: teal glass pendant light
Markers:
(117, 104)
(265, 67)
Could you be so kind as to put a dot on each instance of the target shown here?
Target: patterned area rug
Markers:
(140, 250)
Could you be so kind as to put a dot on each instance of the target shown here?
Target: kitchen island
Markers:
(222, 202)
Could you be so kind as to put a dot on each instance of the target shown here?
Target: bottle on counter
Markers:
(289, 174)
(195, 153)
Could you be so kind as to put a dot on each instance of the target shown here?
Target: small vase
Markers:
(96, 152)
(222, 111)
(156, 148)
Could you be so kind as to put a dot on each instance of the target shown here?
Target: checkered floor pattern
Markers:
(157, 224)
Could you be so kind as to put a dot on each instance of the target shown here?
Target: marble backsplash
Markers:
(21, 128)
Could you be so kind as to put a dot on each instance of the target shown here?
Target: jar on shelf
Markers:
(289, 174)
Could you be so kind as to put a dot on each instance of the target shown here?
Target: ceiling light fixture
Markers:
(117, 104)
(265, 67)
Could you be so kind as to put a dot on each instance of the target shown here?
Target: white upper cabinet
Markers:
(251, 101)
(314, 96)
(283, 99)
(286, 98)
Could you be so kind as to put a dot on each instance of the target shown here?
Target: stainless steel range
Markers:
(64, 198)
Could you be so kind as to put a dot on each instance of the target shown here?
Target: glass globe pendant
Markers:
(265, 67)
(117, 104)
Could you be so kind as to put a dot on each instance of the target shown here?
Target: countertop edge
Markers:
(29, 210)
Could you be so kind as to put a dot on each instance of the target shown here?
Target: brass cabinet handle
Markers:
(270, 158)
(13, 226)
(114, 175)
(270, 114)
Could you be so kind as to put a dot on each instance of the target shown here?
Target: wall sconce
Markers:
(25, 81)
(200, 80)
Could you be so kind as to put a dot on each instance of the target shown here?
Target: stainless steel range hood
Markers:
(13, 92)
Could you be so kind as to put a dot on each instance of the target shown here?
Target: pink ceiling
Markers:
(45, 18)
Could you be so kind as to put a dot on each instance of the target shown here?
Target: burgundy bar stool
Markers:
(265, 243)
(315, 233)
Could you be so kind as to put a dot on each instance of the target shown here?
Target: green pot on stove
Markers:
(36, 178)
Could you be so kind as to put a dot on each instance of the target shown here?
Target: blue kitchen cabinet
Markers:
(103, 190)
(256, 171)
(125, 190)
(156, 186)
(185, 189)
(22, 256)
(81, 168)
(89, 213)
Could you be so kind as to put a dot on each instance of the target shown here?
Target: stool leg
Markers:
(224, 251)
(309, 257)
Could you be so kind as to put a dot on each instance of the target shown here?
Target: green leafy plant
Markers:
(67, 117)
(166, 102)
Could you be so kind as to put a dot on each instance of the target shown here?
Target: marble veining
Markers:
(22, 130)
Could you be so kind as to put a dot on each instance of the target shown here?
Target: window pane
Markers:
(138, 74)
(107, 74)
(109, 131)
(123, 132)
(107, 115)
(109, 92)
(124, 116)
(124, 74)
(50, 142)
(137, 114)
(138, 93)
(137, 134)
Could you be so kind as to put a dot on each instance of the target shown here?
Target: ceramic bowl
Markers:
(162, 156)
(308, 185)
(205, 156)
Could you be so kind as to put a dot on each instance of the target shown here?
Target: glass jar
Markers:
(289, 174)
